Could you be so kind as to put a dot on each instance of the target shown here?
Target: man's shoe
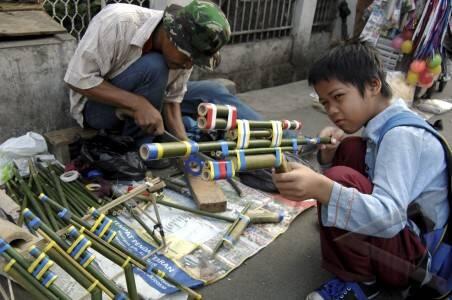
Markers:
(341, 290)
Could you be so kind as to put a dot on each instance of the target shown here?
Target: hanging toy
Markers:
(397, 42)
(418, 66)
(412, 78)
(434, 61)
(426, 79)
(407, 47)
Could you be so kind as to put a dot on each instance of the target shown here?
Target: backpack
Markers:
(438, 242)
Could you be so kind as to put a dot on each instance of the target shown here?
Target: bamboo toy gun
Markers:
(249, 145)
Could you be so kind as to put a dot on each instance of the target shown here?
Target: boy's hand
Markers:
(302, 183)
(327, 151)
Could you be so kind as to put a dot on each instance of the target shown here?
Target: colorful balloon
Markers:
(418, 65)
(397, 42)
(436, 70)
(426, 78)
(406, 47)
(435, 61)
(412, 78)
(407, 34)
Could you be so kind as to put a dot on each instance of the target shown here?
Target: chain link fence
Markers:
(251, 20)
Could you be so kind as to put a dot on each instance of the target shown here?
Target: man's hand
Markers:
(302, 183)
(327, 151)
(147, 117)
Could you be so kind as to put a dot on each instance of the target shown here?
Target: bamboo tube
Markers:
(130, 281)
(14, 273)
(25, 264)
(145, 227)
(253, 151)
(220, 124)
(92, 274)
(29, 278)
(59, 188)
(257, 134)
(222, 110)
(47, 209)
(284, 167)
(230, 228)
(105, 284)
(113, 246)
(179, 149)
(34, 203)
(75, 273)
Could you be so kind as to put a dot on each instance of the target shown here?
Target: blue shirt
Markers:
(410, 166)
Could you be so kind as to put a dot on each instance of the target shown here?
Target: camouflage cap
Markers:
(198, 30)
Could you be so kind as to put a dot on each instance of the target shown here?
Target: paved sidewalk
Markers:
(290, 267)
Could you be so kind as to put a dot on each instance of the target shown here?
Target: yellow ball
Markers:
(407, 47)
(412, 78)
(436, 70)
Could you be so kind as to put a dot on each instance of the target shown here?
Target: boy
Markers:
(368, 235)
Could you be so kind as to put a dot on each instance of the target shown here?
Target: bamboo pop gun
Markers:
(249, 144)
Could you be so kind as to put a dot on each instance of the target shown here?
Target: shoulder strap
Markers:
(408, 118)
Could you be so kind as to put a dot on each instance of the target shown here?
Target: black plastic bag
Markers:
(115, 156)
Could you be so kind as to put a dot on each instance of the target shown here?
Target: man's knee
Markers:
(155, 69)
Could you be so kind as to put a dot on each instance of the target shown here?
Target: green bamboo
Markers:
(73, 271)
(32, 200)
(263, 133)
(145, 227)
(59, 188)
(30, 279)
(230, 228)
(17, 276)
(179, 149)
(222, 110)
(252, 151)
(192, 294)
(130, 281)
(49, 212)
(46, 231)
(26, 264)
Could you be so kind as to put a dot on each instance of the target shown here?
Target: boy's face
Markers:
(345, 106)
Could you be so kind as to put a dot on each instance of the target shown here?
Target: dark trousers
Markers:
(356, 257)
(148, 76)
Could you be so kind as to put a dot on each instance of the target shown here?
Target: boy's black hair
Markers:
(351, 62)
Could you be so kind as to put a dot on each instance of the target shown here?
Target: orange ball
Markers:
(406, 47)
(412, 78)
(426, 78)
(418, 65)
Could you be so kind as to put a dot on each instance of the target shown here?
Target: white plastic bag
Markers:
(19, 148)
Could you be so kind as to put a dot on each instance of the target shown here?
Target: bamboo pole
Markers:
(180, 149)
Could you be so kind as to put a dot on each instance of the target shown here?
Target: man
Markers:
(140, 59)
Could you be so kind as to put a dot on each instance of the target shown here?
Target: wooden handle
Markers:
(284, 167)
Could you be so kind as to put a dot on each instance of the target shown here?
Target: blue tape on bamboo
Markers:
(295, 146)
(151, 151)
(193, 165)
(65, 214)
(106, 223)
(43, 198)
(241, 160)
(120, 296)
(278, 157)
(221, 169)
(4, 246)
(87, 258)
(42, 268)
(224, 149)
(191, 147)
(48, 279)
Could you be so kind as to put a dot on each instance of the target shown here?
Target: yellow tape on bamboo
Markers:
(95, 283)
(75, 243)
(126, 262)
(33, 266)
(49, 246)
(44, 269)
(97, 223)
(9, 265)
